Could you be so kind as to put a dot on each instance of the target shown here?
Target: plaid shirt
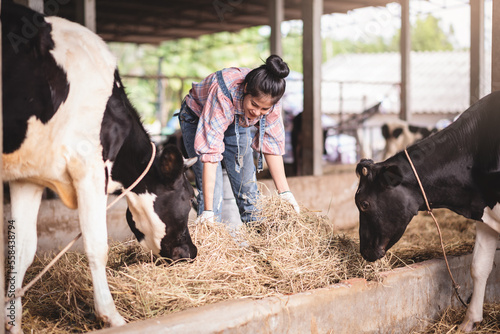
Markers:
(217, 112)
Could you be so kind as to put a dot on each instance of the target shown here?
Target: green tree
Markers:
(187, 60)
(427, 35)
(184, 61)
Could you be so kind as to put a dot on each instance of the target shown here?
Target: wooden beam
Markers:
(277, 15)
(311, 116)
(495, 48)
(190, 18)
(476, 49)
(405, 49)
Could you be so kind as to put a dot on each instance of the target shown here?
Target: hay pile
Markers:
(453, 317)
(287, 253)
(421, 240)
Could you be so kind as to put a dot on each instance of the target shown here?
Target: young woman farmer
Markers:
(215, 119)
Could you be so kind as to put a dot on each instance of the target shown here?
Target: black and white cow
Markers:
(399, 134)
(460, 170)
(68, 125)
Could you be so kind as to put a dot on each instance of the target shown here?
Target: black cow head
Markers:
(386, 206)
(159, 216)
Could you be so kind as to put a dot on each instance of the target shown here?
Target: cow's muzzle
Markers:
(184, 252)
(373, 254)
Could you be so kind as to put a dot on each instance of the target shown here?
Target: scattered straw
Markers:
(452, 318)
(286, 253)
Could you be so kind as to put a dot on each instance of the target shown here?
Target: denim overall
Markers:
(237, 158)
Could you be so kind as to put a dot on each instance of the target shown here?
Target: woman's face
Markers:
(255, 107)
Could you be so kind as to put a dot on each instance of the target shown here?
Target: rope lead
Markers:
(456, 287)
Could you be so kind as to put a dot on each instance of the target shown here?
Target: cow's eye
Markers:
(364, 205)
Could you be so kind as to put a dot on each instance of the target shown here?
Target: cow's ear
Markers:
(171, 163)
(364, 167)
(390, 176)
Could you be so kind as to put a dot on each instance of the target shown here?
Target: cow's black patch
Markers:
(117, 121)
(33, 83)
(131, 223)
(425, 132)
(171, 164)
(124, 140)
(397, 132)
(385, 131)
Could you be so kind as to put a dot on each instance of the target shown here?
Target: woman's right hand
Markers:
(206, 216)
(288, 197)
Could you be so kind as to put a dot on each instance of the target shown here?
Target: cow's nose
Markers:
(184, 252)
(372, 254)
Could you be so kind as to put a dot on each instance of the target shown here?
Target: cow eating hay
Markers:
(459, 170)
(68, 125)
(288, 253)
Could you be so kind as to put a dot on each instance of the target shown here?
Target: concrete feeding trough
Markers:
(407, 299)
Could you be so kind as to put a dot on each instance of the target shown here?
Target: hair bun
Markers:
(277, 67)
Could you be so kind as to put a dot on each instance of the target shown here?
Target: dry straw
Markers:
(452, 317)
(286, 253)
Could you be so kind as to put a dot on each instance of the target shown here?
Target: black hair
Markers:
(268, 79)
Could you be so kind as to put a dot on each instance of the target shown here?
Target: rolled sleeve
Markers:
(215, 118)
(274, 135)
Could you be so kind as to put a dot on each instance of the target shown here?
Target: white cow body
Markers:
(70, 127)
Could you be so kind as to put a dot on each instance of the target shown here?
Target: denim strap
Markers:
(262, 130)
(222, 85)
(225, 90)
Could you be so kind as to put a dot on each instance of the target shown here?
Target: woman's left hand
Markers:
(288, 196)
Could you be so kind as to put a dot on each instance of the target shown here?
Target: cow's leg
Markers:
(92, 213)
(482, 263)
(21, 241)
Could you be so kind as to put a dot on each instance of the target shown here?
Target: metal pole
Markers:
(495, 48)
(405, 49)
(86, 13)
(476, 49)
(311, 119)
(277, 10)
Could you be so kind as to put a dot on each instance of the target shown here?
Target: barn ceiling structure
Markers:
(154, 21)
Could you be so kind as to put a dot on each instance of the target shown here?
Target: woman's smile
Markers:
(256, 106)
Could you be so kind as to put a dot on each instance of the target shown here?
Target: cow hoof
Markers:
(114, 321)
(467, 326)
(9, 329)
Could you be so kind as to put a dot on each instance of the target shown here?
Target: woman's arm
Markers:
(277, 170)
(208, 181)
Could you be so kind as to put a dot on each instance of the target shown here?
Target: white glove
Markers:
(288, 196)
(205, 217)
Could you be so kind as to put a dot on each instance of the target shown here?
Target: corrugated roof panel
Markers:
(439, 82)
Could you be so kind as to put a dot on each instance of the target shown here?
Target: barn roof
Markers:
(154, 21)
(354, 82)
